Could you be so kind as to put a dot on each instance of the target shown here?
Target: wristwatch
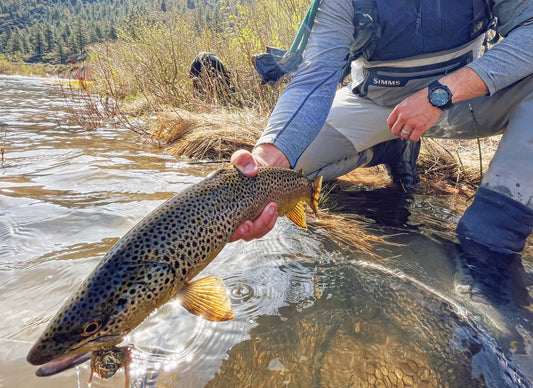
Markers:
(439, 95)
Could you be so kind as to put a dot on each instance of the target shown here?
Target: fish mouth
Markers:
(50, 365)
(62, 363)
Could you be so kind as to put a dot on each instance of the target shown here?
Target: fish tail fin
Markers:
(297, 215)
(317, 186)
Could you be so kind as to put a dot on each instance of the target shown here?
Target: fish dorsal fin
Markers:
(297, 215)
(207, 298)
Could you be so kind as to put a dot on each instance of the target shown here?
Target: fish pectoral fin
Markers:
(207, 298)
(297, 215)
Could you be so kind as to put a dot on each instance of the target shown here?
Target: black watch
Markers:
(439, 95)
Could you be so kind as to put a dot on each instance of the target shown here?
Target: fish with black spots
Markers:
(157, 260)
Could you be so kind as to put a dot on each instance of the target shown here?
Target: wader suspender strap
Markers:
(366, 31)
(483, 26)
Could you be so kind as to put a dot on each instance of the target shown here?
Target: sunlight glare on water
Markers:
(307, 311)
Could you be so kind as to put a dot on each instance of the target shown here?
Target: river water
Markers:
(308, 312)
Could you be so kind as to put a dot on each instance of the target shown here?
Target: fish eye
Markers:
(90, 328)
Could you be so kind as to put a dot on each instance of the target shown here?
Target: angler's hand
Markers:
(264, 155)
(413, 116)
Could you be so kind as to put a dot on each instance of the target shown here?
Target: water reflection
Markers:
(429, 312)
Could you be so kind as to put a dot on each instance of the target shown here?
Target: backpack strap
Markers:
(277, 63)
(302, 36)
(292, 58)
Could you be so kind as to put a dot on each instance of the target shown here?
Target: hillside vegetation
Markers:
(54, 31)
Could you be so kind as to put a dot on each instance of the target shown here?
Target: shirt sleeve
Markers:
(511, 59)
(303, 106)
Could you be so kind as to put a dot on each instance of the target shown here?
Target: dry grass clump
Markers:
(455, 166)
(339, 218)
(214, 135)
(346, 230)
(369, 178)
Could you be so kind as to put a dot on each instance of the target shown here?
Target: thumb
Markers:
(245, 162)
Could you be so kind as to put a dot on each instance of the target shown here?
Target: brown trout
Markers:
(157, 259)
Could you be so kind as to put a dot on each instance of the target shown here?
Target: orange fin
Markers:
(317, 186)
(207, 298)
(297, 215)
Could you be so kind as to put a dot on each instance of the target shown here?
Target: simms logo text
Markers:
(386, 82)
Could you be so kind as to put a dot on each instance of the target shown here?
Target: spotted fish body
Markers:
(158, 257)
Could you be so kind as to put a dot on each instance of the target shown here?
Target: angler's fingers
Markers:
(266, 220)
(259, 227)
(393, 117)
(416, 134)
(242, 231)
(245, 162)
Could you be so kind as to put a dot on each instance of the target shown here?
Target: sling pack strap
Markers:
(300, 41)
(277, 63)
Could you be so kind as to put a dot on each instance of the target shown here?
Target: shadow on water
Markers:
(429, 311)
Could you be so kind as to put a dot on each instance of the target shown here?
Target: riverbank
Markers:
(34, 69)
(446, 166)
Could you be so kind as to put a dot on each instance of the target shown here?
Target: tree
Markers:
(81, 37)
(50, 37)
(113, 33)
(14, 44)
(38, 44)
(61, 56)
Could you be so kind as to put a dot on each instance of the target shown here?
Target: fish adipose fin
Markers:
(207, 298)
(297, 215)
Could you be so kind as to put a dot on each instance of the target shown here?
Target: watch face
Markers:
(439, 96)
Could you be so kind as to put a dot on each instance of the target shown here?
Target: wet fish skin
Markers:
(161, 254)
